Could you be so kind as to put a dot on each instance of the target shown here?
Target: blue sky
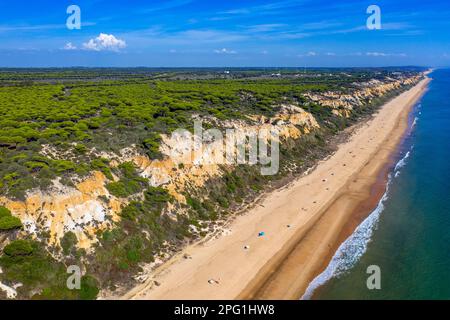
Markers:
(239, 33)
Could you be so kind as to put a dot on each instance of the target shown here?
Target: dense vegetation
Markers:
(57, 123)
(75, 119)
(28, 262)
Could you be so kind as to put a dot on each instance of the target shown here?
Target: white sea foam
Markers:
(402, 162)
(414, 122)
(352, 249)
(349, 252)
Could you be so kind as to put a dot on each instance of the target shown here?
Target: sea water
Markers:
(408, 235)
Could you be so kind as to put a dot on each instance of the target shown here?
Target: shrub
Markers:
(130, 183)
(62, 166)
(131, 211)
(89, 288)
(151, 145)
(35, 166)
(18, 248)
(10, 222)
(80, 148)
(128, 170)
(68, 242)
(157, 195)
(117, 189)
(4, 212)
(194, 203)
(102, 165)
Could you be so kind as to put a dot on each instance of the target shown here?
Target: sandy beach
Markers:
(303, 223)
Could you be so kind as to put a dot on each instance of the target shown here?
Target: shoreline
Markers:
(301, 235)
(378, 190)
(361, 196)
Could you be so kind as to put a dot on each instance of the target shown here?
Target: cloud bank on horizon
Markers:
(202, 33)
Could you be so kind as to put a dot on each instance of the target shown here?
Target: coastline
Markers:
(291, 274)
(321, 209)
(296, 268)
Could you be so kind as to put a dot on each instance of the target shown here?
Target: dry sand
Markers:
(303, 223)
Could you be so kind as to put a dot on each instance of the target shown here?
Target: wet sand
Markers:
(290, 275)
(303, 223)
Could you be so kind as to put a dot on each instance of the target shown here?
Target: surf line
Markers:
(354, 247)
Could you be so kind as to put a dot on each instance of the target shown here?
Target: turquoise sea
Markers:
(408, 234)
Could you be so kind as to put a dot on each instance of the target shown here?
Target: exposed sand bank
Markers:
(303, 223)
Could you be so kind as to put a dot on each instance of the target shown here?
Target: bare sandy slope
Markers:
(302, 223)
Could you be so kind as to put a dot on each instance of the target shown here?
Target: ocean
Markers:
(408, 235)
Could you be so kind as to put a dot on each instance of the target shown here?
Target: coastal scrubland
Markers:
(57, 127)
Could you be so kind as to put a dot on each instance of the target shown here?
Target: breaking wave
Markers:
(402, 162)
(349, 251)
(352, 249)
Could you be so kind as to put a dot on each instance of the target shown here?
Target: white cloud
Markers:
(69, 46)
(38, 28)
(288, 35)
(309, 54)
(396, 26)
(330, 54)
(105, 42)
(383, 54)
(376, 54)
(225, 51)
(208, 36)
(321, 25)
(236, 11)
(265, 27)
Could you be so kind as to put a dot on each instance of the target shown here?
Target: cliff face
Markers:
(343, 104)
(78, 209)
(199, 167)
(89, 207)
